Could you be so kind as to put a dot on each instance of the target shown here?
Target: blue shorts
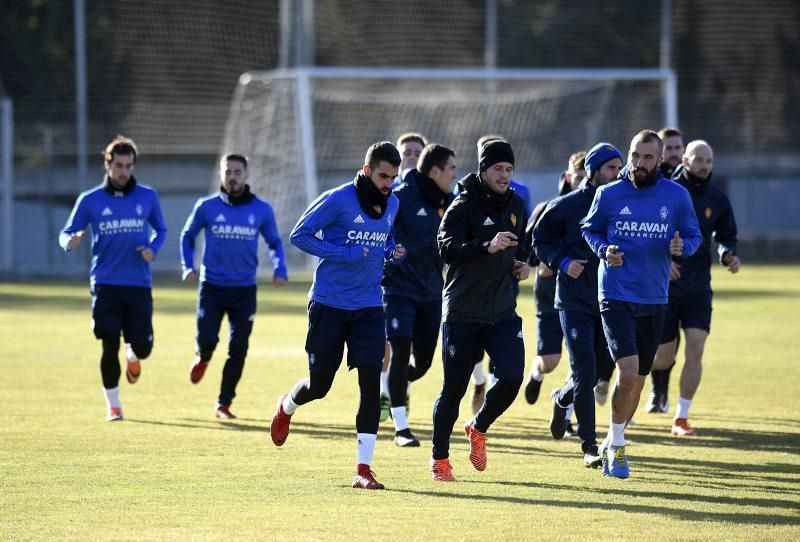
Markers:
(549, 334)
(126, 309)
(686, 311)
(419, 320)
(632, 329)
(329, 329)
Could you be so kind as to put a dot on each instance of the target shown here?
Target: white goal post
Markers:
(307, 129)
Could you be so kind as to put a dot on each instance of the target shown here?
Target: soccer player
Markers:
(478, 376)
(558, 242)
(350, 229)
(232, 220)
(657, 402)
(550, 337)
(121, 213)
(633, 226)
(410, 146)
(481, 239)
(690, 288)
(673, 150)
(412, 290)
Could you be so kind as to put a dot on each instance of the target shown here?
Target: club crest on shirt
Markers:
(441, 213)
(377, 208)
(513, 219)
(708, 212)
(251, 219)
(663, 213)
(139, 209)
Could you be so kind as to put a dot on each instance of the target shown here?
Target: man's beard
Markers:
(648, 180)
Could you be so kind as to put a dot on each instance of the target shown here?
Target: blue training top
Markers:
(641, 222)
(119, 221)
(230, 257)
(336, 229)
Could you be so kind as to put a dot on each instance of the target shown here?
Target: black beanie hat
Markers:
(494, 152)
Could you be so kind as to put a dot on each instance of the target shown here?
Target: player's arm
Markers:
(548, 234)
(269, 231)
(72, 233)
(319, 215)
(725, 235)
(189, 233)
(595, 225)
(689, 230)
(159, 234)
(524, 248)
(452, 236)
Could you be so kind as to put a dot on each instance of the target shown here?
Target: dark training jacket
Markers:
(544, 288)
(556, 236)
(716, 221)
(480, 287)
(419, 275)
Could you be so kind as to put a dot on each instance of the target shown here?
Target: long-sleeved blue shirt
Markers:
(336, 229)
(120, 224)
(230, 257)
(641, 222)
(419, 275)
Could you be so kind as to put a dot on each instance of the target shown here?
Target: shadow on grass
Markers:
(604, 508)
(714, 437)
(744, 294)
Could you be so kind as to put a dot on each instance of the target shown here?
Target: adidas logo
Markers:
(220, 218)
(107, 212)
(625, 211)
(488, 222)
(519, 335)
(358, 220)
(422, 212)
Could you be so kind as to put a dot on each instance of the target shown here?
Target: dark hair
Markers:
(412, 136)
(666, 132)
(483, 140)
(434, 155)
(578, 160)
(120, 145)
(382, 152)
(235, 157)
(646, 136)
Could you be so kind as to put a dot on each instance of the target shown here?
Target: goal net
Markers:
(307, 130)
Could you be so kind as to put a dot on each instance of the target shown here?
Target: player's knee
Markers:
(142, 349)
(110, 342)
(549, 362)
(319, 384)
(237, 351)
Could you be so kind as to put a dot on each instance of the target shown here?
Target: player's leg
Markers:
(137, 328)
(697, 325)
(548, 353)
(365, 337)
(384, 394)
(324, 347)
(505, 345)
(210, 311)
(580, 333)
(479, 382)
(241, 311)
(399, 322)
(423, 341)
(665, 357)
(460, 342)
(107, 308)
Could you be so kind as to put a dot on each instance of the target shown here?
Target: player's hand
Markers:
(146, 252)
(502, 241)
(355, 253)
(190, 277)
(676, 245)
(674, 271)
(614, 256)
(544, 271)
(576, 268)
(399, 253)
(278, 282)
(732, 261)
(75, 240)
(521, 270)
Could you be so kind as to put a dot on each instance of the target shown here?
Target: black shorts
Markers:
(632, 329)
(686, 311)
(549, 334)
(126, 309)
(419, 320)
(329, 329)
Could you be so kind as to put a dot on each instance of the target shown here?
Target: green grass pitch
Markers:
(171, 470)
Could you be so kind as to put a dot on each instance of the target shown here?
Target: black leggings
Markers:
(319, 383)
(401, 373)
